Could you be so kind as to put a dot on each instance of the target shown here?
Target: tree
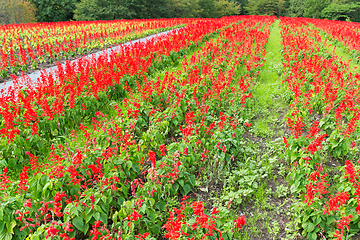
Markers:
(226, 8)
(313, 8)
(281, 8)
(156, 8)
(207, 8)
(242, 4)
(87, 10)
(16, 11)
(120, 9)
(266, 7)
(54, 10)
(101, 10)
(342, 10)
(296, 8)
(183, 8)
(136, 8)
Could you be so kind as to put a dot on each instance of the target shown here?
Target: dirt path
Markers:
(268, 209)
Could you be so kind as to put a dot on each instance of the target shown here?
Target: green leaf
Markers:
(78, 222)
(88, 217)
(129, 164)
(152, 201)
(4, 235)
(125, 190)
(150, 215)
(35, 238)
(330, 220)
(317, 220)
(10, 227)
(2, 225)
(187, 189)
(97, 216)
(156, 229)
(192, 180)
(175, 187)
(103, 217)
(294, 187)
(161, 205)
(310, 227)
(311, 236)
(86, 228)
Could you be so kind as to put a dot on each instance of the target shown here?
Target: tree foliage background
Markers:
(16, 11)
(21, 11)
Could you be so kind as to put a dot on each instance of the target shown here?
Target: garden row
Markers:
(347, 34)
(323, 117)
(27, 46)
(111, 147)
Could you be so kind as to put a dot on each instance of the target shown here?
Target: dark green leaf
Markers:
(156, 229)
(187, 189)
(78, 222)
(161, 205)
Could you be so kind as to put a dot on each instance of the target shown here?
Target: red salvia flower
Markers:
(336, 202)
(152, 158)
(23, 184)
(350, 172)
(163, 149)
(240, 221)
(4, 180)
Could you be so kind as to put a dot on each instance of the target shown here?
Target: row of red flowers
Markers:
(346, 33)
(324, 121)
(27, 45)
(107, 144)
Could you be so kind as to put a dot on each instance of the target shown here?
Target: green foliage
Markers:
(16, 11)
(54, 10)
(65, 10)
(338, 11)
(296, 8)
(266, 7)
(207, 8)
(116, 9)
(86, 10)
(226, 8)
(129, 9)
(183, 8)
(313, 8)
(156, 8)
(242, 4)
(100, 10)
(243, 182)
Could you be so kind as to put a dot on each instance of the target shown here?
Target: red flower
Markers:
(152, 158)
(350, 172)
(134, 216)
(198, 208)
(186, 151)
(286, 142)
(23, 184)
(163, 149)
(4, 180)
(27, 203)
(336, 202)
(240, 221)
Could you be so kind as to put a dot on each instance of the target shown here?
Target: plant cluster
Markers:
(25, 46)
(323, 120)
(106, 149)
(344, 33)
